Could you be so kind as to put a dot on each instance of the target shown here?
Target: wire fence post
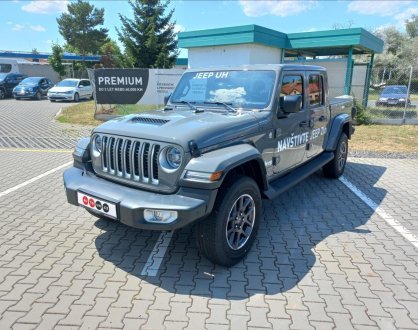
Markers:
(407, 96)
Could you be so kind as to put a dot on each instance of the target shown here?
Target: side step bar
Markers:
(289, 180)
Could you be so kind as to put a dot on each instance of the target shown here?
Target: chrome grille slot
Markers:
(154, 162)
(145, 162)
(130, 159)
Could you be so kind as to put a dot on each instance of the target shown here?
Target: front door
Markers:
(319, 113)
(291, 130)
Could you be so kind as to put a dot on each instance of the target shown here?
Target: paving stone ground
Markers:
(30, 124)
(322, 259)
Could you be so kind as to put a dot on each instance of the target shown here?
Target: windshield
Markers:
(2, 76)
(240, 89)
(395, 90)
(67, 83)
(30, 81)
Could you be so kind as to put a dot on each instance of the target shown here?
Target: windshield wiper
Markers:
(226, 105)
(188, 103)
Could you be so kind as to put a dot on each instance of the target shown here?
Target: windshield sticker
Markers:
(294, 141)
(234, 95)
(207, 75)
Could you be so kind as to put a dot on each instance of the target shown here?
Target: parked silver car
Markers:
(71, 90)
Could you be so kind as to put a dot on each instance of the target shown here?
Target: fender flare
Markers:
(225, 160)
(336, 130)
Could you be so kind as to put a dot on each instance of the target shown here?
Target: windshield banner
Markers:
(134, 86)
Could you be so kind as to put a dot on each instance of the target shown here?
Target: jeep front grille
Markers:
(130, 159)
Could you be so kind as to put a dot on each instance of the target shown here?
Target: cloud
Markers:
(382, 8)
(405, 15)
(37, 28)
(18, 27)
(46, 7)
(179, 28)
(9, 23)
(275, 8)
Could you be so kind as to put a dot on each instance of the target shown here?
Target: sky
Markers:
(26, 25)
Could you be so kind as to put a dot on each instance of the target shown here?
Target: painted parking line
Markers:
(156, 256)
(37, 150)
(410, 237)
(36, 178)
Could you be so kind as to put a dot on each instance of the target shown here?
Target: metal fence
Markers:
(392, 97)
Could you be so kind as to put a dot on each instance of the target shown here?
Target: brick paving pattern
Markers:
(322, 259)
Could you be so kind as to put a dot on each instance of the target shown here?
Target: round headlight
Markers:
(170, 159)
(173, 155)
(98, 143)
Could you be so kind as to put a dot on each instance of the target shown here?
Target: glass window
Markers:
(246, 89)
(315, 90)
(292, 85)
(5, 68)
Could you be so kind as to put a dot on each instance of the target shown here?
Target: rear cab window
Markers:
(316, 90)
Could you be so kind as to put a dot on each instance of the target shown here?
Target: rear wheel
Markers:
(76, 97)
(335, 168)
(227, 235)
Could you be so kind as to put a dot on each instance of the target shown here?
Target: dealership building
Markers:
(254, 44)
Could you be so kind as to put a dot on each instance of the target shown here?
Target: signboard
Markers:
(134, 86)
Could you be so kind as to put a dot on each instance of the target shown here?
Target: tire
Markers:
(53, 100)
(17, 98)
(38, 96)
(212, 233)
(2, 94)
(76, 97)
(335, 168)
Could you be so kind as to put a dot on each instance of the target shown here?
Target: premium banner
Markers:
(134, 86)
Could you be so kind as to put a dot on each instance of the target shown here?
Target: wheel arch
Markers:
(341, 123)
(242, 159)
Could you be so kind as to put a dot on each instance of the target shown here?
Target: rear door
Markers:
(292, 129)
(318, 111)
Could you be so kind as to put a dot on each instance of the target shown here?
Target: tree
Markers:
(111, 55)
(392, 39)
(79, 27)
(149, 38)
(411, 26)
(55, 60)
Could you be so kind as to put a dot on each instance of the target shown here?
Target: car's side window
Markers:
(292, 85)
(316, 95)
(86, 83)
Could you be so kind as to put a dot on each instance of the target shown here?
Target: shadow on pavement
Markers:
(282, 255)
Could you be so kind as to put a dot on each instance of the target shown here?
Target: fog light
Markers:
(160, 216)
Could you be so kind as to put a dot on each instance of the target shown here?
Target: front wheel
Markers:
(2, 94)
(38, 96)
(227, 235)
(76, 97)
(335, 168)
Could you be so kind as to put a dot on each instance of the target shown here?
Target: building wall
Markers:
(336, 68)
(233, 55)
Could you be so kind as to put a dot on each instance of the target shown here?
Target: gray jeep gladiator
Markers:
(226, 139)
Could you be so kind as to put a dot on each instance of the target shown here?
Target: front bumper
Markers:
(190, 204)
(24, 94)
(59, 97)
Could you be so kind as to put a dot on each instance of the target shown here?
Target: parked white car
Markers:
(71, 89)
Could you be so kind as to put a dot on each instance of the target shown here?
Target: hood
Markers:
(394, 96)
(181, 126)
(27, 85)
(61, 89)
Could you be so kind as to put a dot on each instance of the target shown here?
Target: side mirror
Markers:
(81, 86)
(166, 98)
(291, 103)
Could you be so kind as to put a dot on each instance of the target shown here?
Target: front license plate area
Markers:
(97, 205)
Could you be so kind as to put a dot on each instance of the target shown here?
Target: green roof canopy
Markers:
(318, 43)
